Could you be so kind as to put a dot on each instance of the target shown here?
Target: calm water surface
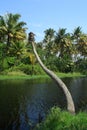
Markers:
(23, 103)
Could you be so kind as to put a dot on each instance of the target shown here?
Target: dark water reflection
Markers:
(26, 102)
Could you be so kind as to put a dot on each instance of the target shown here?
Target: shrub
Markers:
(25, 69)
(31, 69)
(62, 120)
(65, 65)
(28, 69)
(5, 64)
(81, 66)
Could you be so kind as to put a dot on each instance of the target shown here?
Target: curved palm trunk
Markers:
(70, 103)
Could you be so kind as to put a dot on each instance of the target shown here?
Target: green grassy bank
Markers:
(62, 120)
(19, 75)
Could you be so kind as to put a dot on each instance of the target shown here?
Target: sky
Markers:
(40, 15)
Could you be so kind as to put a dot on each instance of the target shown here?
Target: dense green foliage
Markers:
(60, 51)
(62, 120)
(24, 69)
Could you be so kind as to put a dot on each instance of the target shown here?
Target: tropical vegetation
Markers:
(61, 120)
(60, 50)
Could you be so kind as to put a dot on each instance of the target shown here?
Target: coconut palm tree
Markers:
(63, 42)
(49, 41)
(70, 103)
(77, 33)
(80, 42)
(11, 29)
(49, 35)
(82, 45)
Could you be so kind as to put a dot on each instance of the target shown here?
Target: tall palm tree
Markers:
(70, 103)
(63, 42)
(77, 37)
(77, 33)
(49, 35)
(11, 29)
(49, 41)
(82, 45)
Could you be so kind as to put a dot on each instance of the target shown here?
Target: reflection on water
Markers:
(23, 103)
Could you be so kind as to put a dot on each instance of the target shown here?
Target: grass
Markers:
(63, 120)
(75, 74)
(21, 75)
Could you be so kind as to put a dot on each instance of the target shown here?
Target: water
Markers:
(23, 103)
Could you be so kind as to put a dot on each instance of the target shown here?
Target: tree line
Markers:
(59, 50)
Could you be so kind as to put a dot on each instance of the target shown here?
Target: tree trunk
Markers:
(70, 103)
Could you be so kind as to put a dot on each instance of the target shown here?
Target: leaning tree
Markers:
(70, 103)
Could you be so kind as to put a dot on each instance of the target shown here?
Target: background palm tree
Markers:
(82, 45)
(79, 39)
(11, 30)
(48, 41)
(63, 42)
(49, 35)
(77, 33)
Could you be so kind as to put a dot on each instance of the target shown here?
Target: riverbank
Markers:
(61, 75)
(63, 120)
